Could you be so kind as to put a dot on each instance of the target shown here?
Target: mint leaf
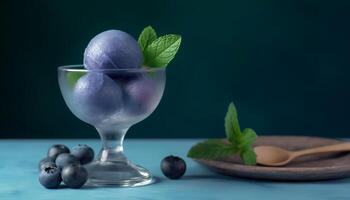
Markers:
(239, 142)
(232, 129)
(161, 51)
(248, 156)
(147, 36)
(73, 77)
(211, 149)
(247, 152)
(248, 138)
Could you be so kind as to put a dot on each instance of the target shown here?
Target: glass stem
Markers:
(112, 144)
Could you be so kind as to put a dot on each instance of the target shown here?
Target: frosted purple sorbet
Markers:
(112, 49)
(141, 94)
(97, 96)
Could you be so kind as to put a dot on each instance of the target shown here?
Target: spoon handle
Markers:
(325, 149)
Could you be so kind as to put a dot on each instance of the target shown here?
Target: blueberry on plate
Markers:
(46, 161)
(74, 176)
(56, 150)
(66, 159)
(50, 176)
(173, 167)
(84, 153)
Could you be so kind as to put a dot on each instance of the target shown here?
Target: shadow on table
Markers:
(217, 177)
(156, 180)
(205, 176)
(262, 181)
(85, 187)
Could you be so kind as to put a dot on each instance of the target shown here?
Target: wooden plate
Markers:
(307, 168)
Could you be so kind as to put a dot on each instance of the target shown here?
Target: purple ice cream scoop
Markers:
(141, 94)
(97, 97)
(112, 49)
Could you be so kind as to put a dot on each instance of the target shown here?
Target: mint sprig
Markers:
(232, 129)
(237, 142)
(73, 77)
(158, 52)
(147, 36)
(211, 149)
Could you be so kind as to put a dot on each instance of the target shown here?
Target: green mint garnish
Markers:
(237, 142)
(232, 129)
(158, 52)
(161, 51)
(212, 149)
(147, 36)
(73, 77)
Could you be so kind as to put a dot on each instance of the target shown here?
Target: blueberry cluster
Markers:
(61, 164)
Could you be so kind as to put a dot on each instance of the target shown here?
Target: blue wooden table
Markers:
(18, 177)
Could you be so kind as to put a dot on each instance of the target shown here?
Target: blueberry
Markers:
(142, 95)
(173, 167)
(46, 161)
(66, 159)
(112, 49)
(56, 150)
(84, 153)
(96, 97)
(74, 176)
(50, 177)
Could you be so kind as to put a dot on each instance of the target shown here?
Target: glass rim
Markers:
(80, 68)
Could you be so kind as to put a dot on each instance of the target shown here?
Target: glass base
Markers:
(117, 174)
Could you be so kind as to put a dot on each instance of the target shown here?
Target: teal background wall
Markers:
(285, 64)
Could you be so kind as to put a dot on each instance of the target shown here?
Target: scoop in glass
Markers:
(112, 100)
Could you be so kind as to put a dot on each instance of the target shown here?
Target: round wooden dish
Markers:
(307, 168)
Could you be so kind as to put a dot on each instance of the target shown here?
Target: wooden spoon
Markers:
(275, 156)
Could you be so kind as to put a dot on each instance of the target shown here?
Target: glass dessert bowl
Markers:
(112, 100)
